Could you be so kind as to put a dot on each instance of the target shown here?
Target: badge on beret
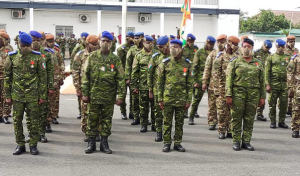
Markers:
(208, 40)
(184, 71)
(32, 62)
(190, 38)
(112, 67)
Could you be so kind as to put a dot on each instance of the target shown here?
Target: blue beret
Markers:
(148, 38)
(84, 34)
(280, 42)
(73, 34)
(138, 33)
(191, 37)
(130, 34)
(162, 40)
(268, 43)
(35, 34)
(62, 33)
(107, 35)
(172, 36)
(211, 39)
(25, 38)
(176, 41)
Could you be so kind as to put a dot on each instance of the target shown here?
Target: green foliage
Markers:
(285, 32)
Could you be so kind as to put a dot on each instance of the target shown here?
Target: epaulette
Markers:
(188, 61)
(219, 54)
(155, 54)
(51, 50)
(36, 52)
(165, 60)
(56, 45)
(79, 52)
(294, 57)
(12, 53)
(57, 49)
(46, 49)
(232, 59)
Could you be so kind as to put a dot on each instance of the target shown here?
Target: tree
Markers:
(265, 21)
(285, 32)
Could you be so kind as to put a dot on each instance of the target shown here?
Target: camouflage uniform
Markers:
(25, 82)
(102, 81)
(134, 97)
(61, 41)
(72, 43)
(5, 109)
(294, 86)
(175, 89)
(245, 83)
(113, 45)
(139, 82)
(156, 59)
(75, 51)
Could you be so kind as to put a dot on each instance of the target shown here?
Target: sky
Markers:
(253, 6)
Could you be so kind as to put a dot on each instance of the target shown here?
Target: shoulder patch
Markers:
(294, 57)
(56, 45)
(12, 53)
(165, 60)
(232, 59)
(188, 61)
(155, 54)
(36, 52)
(79, 52)
(51, 50)
(46, 49)
(218, 55)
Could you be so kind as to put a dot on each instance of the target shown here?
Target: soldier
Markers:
(79, 65)
(138, 46)
(276, 83)
(43, 39)
(8, 47)
(198, 69)
(219, 69)
(245, 90)
(72, 43)
(139, 81)
(175, 91)
(113, 46)
(62, 45)
(122, 53)
(59, 67)
(172, 37)
(290, 50)
(30, 93)
(262, 55)
(154, 42)
(107, 83)
(208, 82)
(157, 58)
(293, 85)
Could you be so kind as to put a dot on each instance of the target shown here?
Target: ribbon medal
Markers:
(112, 67)
(286, 59)
(32, 62)
(6, 51)
(256, 64)
(43, 55)
(184, 71)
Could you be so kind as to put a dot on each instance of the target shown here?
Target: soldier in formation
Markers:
(72, 43)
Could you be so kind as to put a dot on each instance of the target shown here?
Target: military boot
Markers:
(5, 120)
(167, 148)
(288, 113)
(131, 115)
(54, 121)
(236, 146)
(91, 146)
(247, 146)
(191, 121)
(282, 125)
(104, 145)
(19, 150)
(179, 148)
(143, 129)
(222, 136)
(135, 122)
(295, 134)
(261, 118)
(98, 138)
(123, 116)
(79, 117)
(48, 128)
(158, 137)
(197, 115)
(212, 127)
(43, 139)
(1, 119)
(34, 150)
(229, 135)
(273, 125)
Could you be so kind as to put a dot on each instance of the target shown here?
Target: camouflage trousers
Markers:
(198, 94)
(5, 109)
(123, 105)
(32, 122)
(212, 108)
(135, 105)
(53, 106)
(245, 102)
(63, 51)
(224, 115)
(70, 50)
(144, 103)
(168, 113)
(44, 110)
(158, 114)
(282, 95)
(79, 104)
(84, 116)
(290, 104)
(260, 110)
(296, 109)
(99, 119)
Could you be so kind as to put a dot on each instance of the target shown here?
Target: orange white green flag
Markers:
(186, 24)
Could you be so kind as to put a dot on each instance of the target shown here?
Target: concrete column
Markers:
(31, 22)
(99, 21)
(162, 24)
(124, 21)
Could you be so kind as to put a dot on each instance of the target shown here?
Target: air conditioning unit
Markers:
(145, 17)
(18, 13)
(84, 18)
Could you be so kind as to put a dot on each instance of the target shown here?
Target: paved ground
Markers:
(276, 152)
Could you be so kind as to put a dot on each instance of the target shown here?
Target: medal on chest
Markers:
(256, 64)
(286, 60)
(32, 64)
(184, 71)
(112, 67)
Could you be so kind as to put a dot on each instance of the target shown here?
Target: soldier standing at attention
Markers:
(208, 82)
(102, 82)
(114, 43)
(137, 47)
(175, 91)
(139, 81)
(154, 42)
(245, 90)
(262, 54)
(72, 43)
(198, 69)
(122, 53)
(276, 83)
(62, 45)
(25, 70)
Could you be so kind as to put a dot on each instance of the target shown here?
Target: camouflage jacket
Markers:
(291, 52)
(79, 65)
(61, 42)
(9, 48)
(245, 76)
(25, 77)
(199, 64)
(294, 71)
(207, 74)
(175, 83)
(48, 54)
(59, 67)
(72, 42)
(261, 55)
(129, 60)
(114, 45)
(103, 79)
(3, 56)
(140, 70)
(76, 50)
(189, 52)
(122, 53)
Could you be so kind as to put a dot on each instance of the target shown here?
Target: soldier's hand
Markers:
(196, 86)
(50, 93)
(229, 102)
(119, 102)
(61, 82)
(291, 94)
(268, 88)
(41, 101)
(161, 105)
(128, 82)
(187, 105)
(204, 87)
(86, 99)
(135, 91)
(151, 95)
(261, 103)
(9, 101)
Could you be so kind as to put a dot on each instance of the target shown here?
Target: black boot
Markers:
(229, 135)
(261, 118)
(48, 128)
(5, 120)
(167, 148)
(295, 134)
(131, 115)
(123, 116)
(179, 148)
(222, 136)
(282, 125)
(197, 115)
(247, 146)
(158, 137)
(98, 138)
(236, 146)
(79, 117)
(104, 145)
(43, 139)
(288, 113)
(19, 150)
(34, 150)
(135, 122)
(86, 138)
(191, 121)
(143, 129)
(91, 146)
(273, 125)
(212, 127)
(54, 121)
(1, 119)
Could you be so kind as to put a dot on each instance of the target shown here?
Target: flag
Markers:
(186, 24)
